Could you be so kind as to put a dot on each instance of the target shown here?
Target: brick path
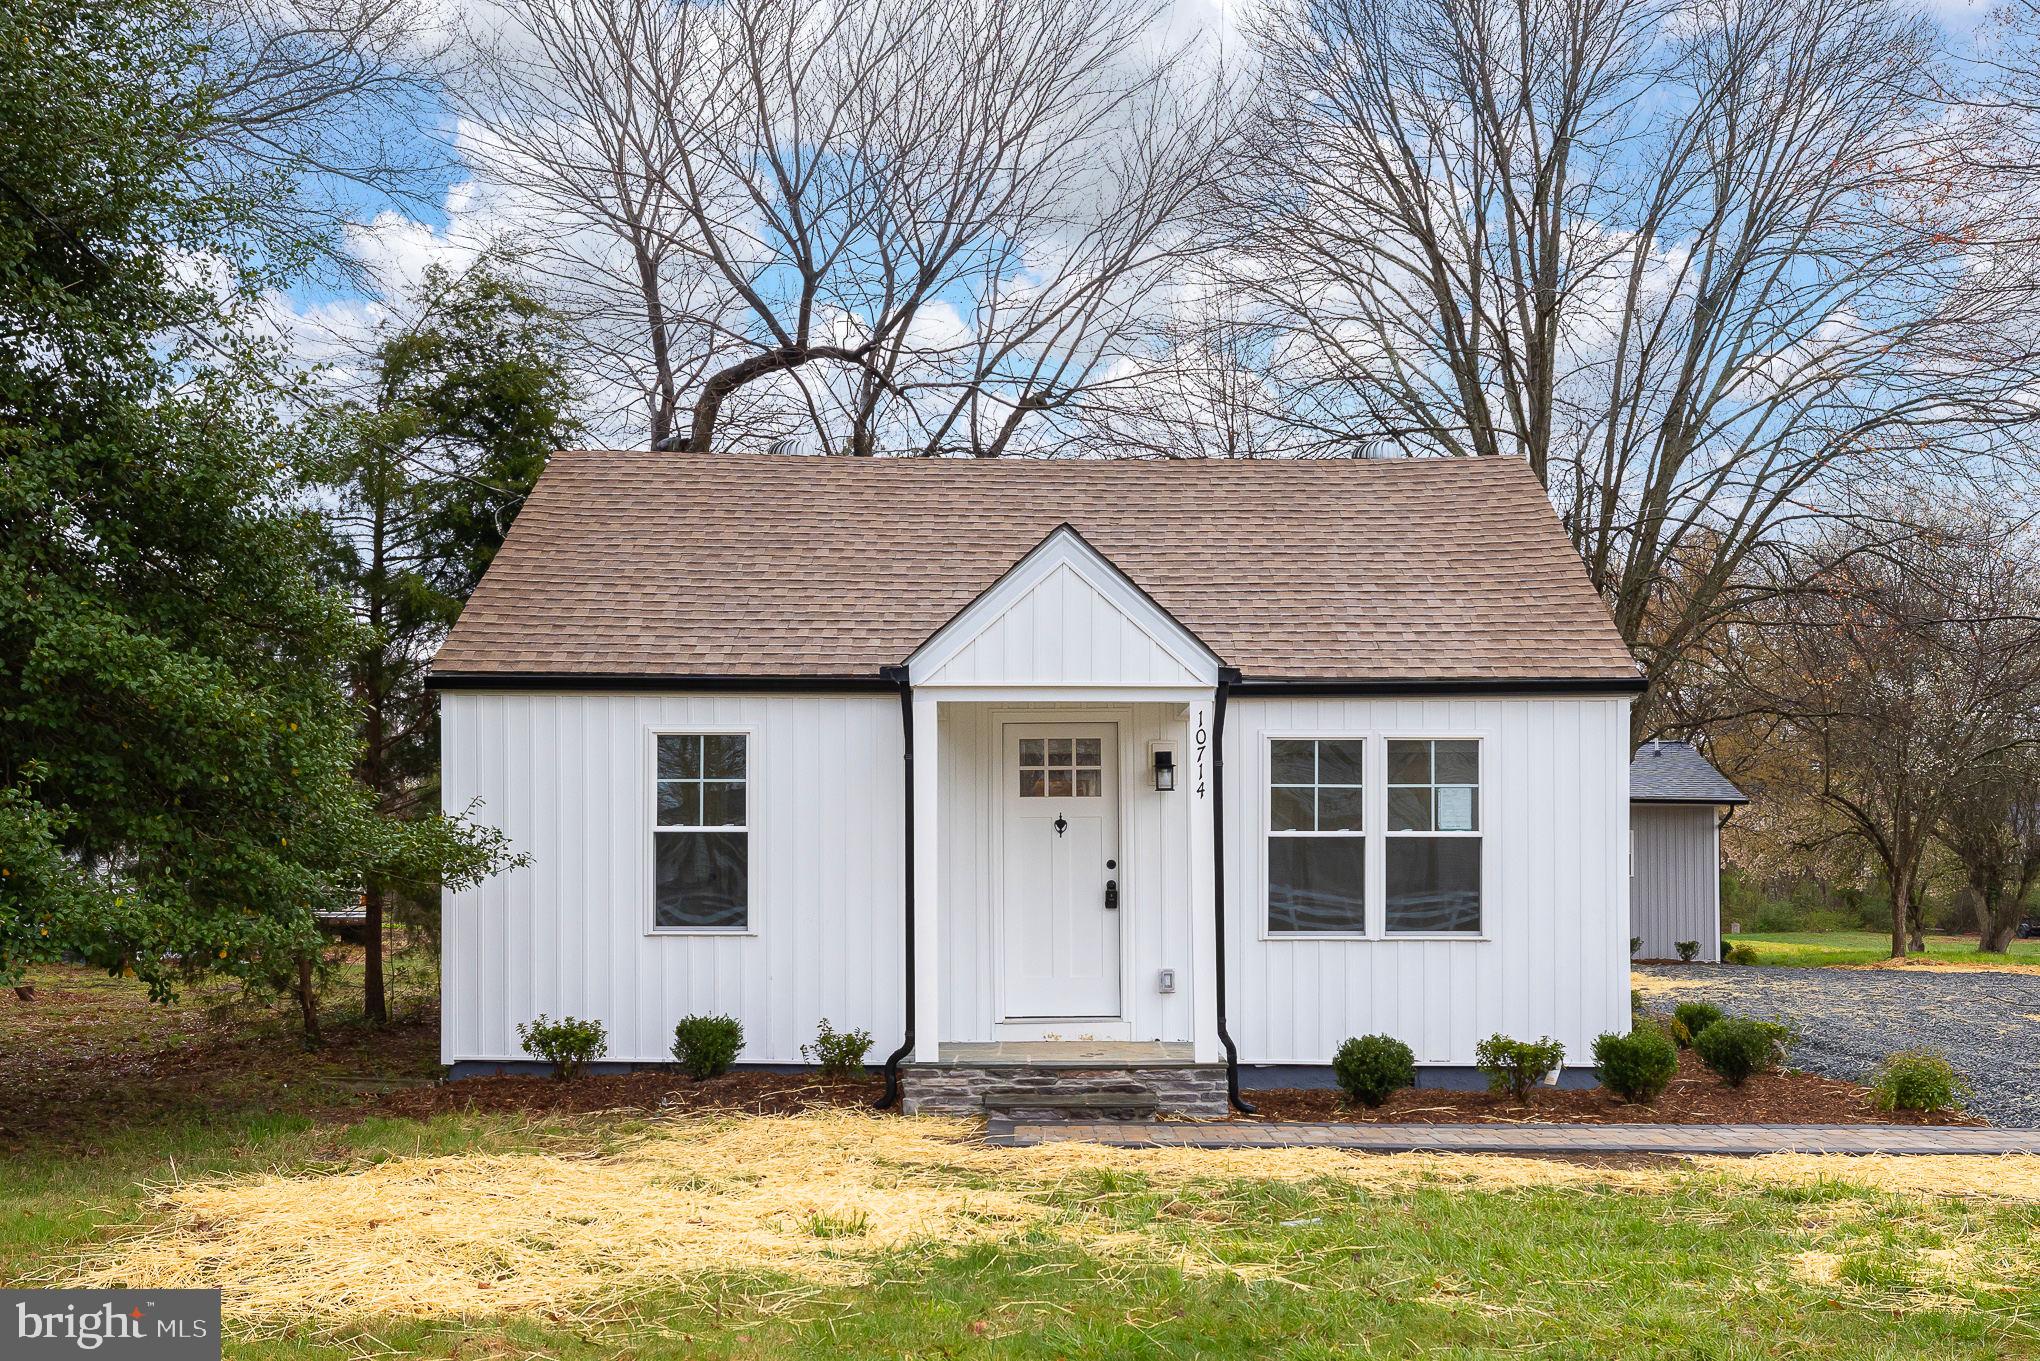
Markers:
(1731, 1140)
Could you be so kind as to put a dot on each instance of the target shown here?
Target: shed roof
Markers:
(637, 564)
(1676, 772)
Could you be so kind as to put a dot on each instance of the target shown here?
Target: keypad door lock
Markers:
(1111, 895)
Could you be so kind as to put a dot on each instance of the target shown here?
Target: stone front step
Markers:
(1085, 1093)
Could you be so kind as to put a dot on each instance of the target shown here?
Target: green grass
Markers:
(1815, 948)
(1710, 1270)
(1697, 1265)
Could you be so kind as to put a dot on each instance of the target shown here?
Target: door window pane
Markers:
(1062, 767)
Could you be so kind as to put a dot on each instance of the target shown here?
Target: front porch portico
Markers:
(1063, 889)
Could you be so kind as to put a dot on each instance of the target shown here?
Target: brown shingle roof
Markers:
(668, 564)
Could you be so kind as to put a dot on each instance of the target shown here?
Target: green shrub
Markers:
(838, 1053)
(569, 1045)
(1740, 954)
(1515, 1066)
(1736, 1048)
(1919, 1080)
(1689, 950)
(1370, 1067)
(706, 1046)
(1636, 1066)
(1635, 944)
(1690, 1018)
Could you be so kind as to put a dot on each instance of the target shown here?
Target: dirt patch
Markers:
(739, 1093)
(89, 1055)
(1924, 964)
(1695, 1097)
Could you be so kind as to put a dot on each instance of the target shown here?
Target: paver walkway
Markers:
(1717, 1140)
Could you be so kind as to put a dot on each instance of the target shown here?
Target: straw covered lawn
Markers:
(789, 1208)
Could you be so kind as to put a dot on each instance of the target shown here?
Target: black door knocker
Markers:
(1062, 824)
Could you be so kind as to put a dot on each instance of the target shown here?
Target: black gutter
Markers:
(1482, 685)
(578, 680)
(1227, 678)
(1691, 803)
(897, 676)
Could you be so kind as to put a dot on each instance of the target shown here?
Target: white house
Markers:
(1677, 804)
(1174, 771)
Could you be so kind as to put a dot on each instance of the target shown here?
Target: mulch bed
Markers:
(1695, 1097)
(670, 1093)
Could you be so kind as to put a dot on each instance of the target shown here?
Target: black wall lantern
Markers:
(1165, 770)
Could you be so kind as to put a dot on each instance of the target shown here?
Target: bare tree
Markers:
(859, 224)
(329, 99)
(1702, 264)
(1903, 671)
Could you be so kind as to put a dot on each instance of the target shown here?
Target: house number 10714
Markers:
(1203, 740)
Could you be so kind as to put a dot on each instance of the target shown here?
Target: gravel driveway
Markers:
(1988, 1024)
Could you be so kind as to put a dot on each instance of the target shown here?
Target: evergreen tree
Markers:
(428, 471)
(176, 750)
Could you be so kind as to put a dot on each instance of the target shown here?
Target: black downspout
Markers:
(1227, 676)
(898, 676)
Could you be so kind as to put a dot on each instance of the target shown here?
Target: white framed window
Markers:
(701, 832)
(1317, 835)
(1432, 860)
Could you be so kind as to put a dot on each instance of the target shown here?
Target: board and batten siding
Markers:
(1553, 957)
(1675, 887)
(567, 779)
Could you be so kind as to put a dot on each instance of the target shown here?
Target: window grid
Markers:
(1459, 773)
(1425, 804)
(1346, 808)
(701, 832)
(1433, 803)
(1061, 767)
(1317, 846)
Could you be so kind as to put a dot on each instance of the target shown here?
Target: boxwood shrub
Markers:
(1690, 1018)
(706, 1046)
(1368, 1068)
(1736, 1049)
(1636, 1066)
(1919, 1080)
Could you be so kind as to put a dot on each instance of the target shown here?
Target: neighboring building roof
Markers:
(1676, 772)
(644, 565)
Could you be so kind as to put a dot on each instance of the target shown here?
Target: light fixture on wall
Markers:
(1165, 770)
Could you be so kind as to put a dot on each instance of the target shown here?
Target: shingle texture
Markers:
(1674, 772)
(668, 564)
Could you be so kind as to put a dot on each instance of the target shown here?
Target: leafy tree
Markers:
(428, 469)
(176, 753)
(1902, 675)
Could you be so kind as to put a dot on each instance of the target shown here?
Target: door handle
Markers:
(1111, 895)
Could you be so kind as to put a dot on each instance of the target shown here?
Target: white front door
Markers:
(1059, 871)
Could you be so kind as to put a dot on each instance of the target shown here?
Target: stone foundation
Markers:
(1048, 1092)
